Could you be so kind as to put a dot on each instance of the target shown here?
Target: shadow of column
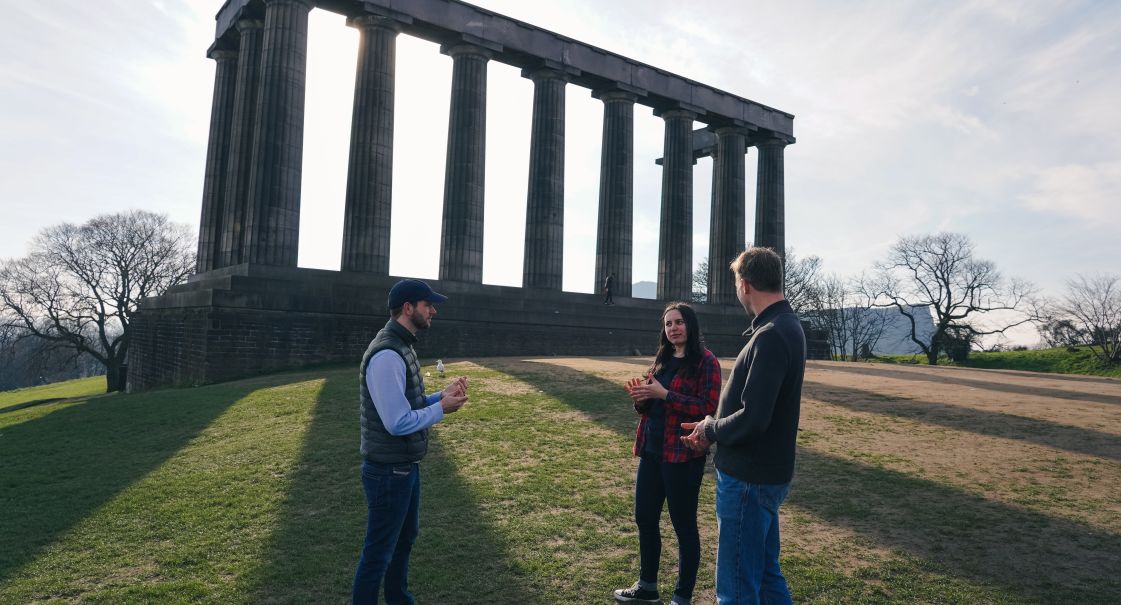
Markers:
(971, 420)
(941, 375)
(312, 553)
(1027, 553)
(57, 469)
(1030, 554)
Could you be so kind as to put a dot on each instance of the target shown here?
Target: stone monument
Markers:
(250, 309)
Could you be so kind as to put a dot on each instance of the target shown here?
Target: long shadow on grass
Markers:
(57, 469)
(601, 400)
(1025, 552)
(961, 418)
(949, 376)
(310, 558)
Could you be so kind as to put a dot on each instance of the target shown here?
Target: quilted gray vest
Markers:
(377, 444)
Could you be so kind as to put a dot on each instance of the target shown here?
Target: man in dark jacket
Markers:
(755, 429)
(396, 415)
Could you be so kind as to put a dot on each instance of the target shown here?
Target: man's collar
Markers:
(775, 308)
(401, 331)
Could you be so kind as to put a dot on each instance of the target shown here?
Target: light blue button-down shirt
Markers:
(385, 377)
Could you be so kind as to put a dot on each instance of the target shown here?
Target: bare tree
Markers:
(866, 322)
(700, 282)
(80, 285)
(1058, 332)
(846, 310)
(967, 296)
(826, 311)
(802, 276)
(1092, 306)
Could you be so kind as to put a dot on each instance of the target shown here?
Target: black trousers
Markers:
(679, 484)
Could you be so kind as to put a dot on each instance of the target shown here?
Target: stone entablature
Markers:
(525, 45)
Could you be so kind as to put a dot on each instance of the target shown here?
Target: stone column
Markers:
(544, 217)
(615, 233)
(461, 241)
(369, 185)
(770, 226)
(675, 243)
(217, 153)
(727, 221)
(272, 233)
(241, 141)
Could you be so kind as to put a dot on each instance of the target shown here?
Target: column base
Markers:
(246, 320)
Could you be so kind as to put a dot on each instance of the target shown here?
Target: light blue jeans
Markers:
(747, 570)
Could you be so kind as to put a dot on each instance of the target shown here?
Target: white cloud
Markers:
(1088, 193)
(911, 117)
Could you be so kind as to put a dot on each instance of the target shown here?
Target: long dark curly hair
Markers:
(694, 344)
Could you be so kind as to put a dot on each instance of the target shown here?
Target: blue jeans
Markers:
(747, 570)
(393, 502)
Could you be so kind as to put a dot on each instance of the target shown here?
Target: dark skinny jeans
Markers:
(679, 484)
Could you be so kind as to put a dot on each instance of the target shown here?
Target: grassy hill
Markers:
(248, 492)
(50, 393)
(1056, 361)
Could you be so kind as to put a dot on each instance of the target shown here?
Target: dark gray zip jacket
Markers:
(757, 418)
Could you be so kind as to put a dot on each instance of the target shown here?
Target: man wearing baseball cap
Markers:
(396, 415)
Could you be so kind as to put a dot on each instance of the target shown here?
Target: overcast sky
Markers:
(993, 118)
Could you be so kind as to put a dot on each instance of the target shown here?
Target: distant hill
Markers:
(896, 338)
(644, 289)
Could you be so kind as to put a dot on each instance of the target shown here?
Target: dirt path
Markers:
(1012, 449)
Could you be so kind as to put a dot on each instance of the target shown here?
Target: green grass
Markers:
(80, 387)
(1057, 361)
(248, 492)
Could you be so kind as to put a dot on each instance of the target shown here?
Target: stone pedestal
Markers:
(369, 186)
(244, 320)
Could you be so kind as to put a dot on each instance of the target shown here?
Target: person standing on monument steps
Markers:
(396, 415)
(755, 429)
(683, 384)
(607, 285)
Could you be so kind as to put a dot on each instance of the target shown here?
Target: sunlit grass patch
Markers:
(49, 393)
(249, 492)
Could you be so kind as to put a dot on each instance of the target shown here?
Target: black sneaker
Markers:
(637, 594)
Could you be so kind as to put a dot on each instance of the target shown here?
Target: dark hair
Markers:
(694, 344)
(395, 312)
(760, 267)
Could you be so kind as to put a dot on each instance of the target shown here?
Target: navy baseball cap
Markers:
(413, 291)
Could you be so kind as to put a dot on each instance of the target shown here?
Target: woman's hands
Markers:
(640, 389)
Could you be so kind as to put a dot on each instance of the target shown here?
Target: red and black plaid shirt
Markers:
(693, 394)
